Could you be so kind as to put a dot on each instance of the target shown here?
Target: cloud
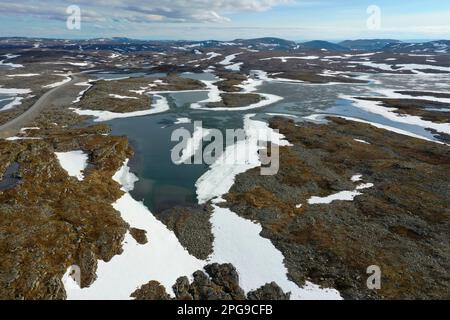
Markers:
(141, 11)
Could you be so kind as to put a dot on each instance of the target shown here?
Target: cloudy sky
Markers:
(229, 19)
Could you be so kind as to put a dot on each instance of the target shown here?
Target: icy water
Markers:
(164, 185)
(4, 100)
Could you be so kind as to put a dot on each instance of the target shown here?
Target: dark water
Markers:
(4, 100)
(10, 178)
(164, 185)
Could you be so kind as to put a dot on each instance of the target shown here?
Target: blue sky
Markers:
(228, 19)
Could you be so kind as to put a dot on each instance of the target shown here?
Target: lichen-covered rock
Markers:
(192, 227)
(151, 291)
(220, 282)
(401, 224)
(139, 235)
(270, 291)
(225, 276)
(50, 221)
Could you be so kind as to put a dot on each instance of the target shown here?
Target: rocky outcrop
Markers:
(151, 291)
(220, 282)
(231, 81)
(50, 221)
(192, 227)
(236, 100)
(139, 235)
(401, 224)
(270, 291)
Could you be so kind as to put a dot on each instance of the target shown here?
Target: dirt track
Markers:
(13, 127)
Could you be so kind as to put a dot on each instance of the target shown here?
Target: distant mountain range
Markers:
(368, 44)
(261, 44)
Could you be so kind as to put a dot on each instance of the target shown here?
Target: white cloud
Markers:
(139, 11)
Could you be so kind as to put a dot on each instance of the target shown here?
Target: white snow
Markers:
(212, 55)
(388, 113)
(228, 59)
(79, 64)
(162, 259)
(357, 178)
(14, 91)
(22, 138)
(29, 128)
(410, 67)
(343, 195)
(161, 105)
(285, 59)
(236, 159)
(381, 66)
(237, 240)
(250, 85)
(67, 79)
(83, 92)
(220, 177)
(14, 99)
(416, 67)
(235, 67)
(116, 96)
(19, 75)
(182, 121)
(213, 94)
(17, 101)
(125, 178)
(361, 141)
(9, 56)
(281, 115)
(426, 95)
(74, 162)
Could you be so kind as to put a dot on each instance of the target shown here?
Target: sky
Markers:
(227, 19)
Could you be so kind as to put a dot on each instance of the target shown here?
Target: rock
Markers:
(221, 282)
(181, 289)
(270, 291)
(225, 276)
(139, 235)
(192, 227)
(236, 100)
(151, 291)
(399, 224)
(51, 221)
(87, 261)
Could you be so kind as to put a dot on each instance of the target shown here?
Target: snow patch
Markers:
(116, 96)
(67, 79)
(74, 162)
(182, 121)
(341, 196)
